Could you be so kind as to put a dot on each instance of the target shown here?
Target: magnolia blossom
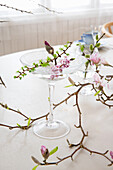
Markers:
(57, 69)
(97, 79)
(65, 62)
(111, 154)
(100, 82)
(95, 58)
(45, 152)
(104, 62)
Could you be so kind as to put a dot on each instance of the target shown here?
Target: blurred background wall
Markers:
(29, 32)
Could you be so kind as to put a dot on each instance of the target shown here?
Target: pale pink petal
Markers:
(43, 149)
(111, 154)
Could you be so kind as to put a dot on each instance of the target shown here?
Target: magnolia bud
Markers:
(45, 152)
(49, 49)
(111, 154)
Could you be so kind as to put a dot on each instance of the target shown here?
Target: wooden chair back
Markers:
(106, 28)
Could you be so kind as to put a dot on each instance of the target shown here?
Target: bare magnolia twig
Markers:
(2, 82)
(81, 144)
(24, 127)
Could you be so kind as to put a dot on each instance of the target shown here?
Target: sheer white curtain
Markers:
(29, 31)
(58, 5)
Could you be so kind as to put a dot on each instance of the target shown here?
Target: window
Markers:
(57, 5)
(70, 5)
(106, 3)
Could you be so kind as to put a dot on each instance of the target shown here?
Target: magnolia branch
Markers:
(79, 145)
(24, 127)
(25, 69)
(2, 82)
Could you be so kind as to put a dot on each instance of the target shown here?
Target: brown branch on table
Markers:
(79, 145)
(2, 82)
(24, 127)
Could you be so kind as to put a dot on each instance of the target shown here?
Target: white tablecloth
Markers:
(30, 96)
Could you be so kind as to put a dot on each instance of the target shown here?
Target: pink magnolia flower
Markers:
(65, 62)
(100, 82)
(97, 79)
(104, 62)
(111, 154)
(44, 152)
(55, 71)
(95, 58)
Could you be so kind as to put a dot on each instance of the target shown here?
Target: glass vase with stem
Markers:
(50, 128)
(86, 76)
(86, 72)
(96, 30)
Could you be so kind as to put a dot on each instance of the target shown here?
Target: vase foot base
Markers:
(51, 130)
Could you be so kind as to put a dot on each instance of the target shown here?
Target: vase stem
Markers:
(51, 94)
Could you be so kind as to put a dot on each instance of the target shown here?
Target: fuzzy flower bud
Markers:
(111, 154)
(49, 49)
(44, 152)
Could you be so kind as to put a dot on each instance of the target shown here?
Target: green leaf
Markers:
(15, 77)
(61, 49)
(49, 99)
(66, 45)
(20, 78)
(71, 59)
(35, 167)
(67, 54)
(68, 86)
(97, 37)
(29, 121)
(40, 61)
(7, 108)
(98, 45)
(32, 69)
(82, 48)
(78, 44)
(54, 55)
(44, 64)
(53, 151)
(87, 56)
(57, 52)
(68, 42)
(48, 58)
(91, 47)
(87, 63)
(36, 65)
(23, 75)
(18, 125)
(97, 93)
